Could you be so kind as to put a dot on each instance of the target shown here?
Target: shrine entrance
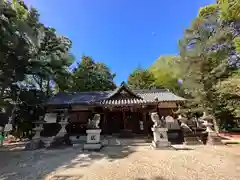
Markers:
(123, 119)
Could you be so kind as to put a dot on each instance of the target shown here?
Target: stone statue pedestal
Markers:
(93, 140)
(160, 138)
(36, 142)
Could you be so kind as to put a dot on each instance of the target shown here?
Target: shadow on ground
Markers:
(39, 164)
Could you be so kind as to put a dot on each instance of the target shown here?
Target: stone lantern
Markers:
(36, 142)
(38, 128)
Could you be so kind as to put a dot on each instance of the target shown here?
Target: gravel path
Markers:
(123, 163)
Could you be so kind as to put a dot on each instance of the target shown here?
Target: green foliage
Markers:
(141, 79)
(91, 76)
(166, 72)
(209, 60)
(207, 10)
(229, 92)
(229, 9)
(31, 55)
(16, 46)
(237, 44)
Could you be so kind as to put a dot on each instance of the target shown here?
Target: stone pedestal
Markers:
(36, 142)
(160, 138)
(93, 140)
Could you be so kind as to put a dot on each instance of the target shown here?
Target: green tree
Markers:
(91, 76)
(209, 60)
(166, 72)
(141, 79)
(30, 51)
(16, 44)
(31, 54)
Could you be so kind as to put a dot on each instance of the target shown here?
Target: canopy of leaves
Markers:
(141, 79)
(229, 9)
(166, 72)
(229, 92)
(209, 58)
(32, 56)
(91, 76)
(207, 10)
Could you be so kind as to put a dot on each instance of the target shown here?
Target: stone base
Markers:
(93, 147)
(161, 145)
(60, 142)
(35, 144)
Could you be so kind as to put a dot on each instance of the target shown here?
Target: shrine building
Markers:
(123, 109)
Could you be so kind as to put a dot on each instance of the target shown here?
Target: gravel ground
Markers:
(123, 163)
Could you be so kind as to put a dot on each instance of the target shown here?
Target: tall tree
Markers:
(31, 54)
(141, 79)
(91, 76)
(167, 72)
(16, 44)
(30, 51)
(208, 60)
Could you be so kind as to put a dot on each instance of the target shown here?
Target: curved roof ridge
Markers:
(124, 86)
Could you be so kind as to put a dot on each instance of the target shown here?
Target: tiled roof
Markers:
(123, 102)
(160, 96)
(77, 98)
(105, 98)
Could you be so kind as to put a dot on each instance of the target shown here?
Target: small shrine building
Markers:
(120, 110)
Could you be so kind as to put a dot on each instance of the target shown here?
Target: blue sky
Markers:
(120, 32)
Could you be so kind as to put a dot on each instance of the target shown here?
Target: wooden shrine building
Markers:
(121, 109)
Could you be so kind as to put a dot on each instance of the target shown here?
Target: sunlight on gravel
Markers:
(123, 163)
